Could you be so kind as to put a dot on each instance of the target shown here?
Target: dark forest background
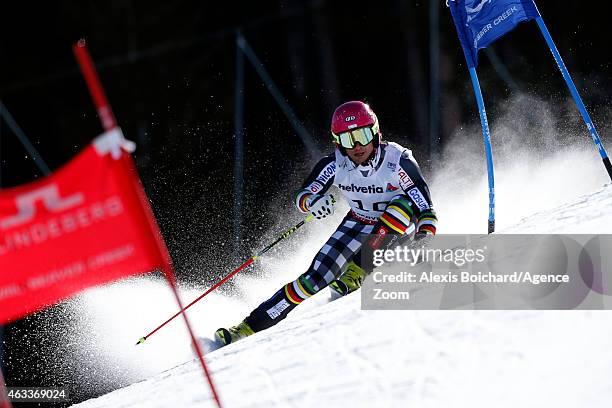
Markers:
(169, 72)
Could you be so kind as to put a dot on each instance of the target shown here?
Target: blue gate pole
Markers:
(572, 88)
(486, 136)
(434, 82)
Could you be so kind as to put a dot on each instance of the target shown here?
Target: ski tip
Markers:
(208, 345)
(141, 340)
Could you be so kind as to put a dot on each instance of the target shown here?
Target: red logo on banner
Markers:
(87, 224)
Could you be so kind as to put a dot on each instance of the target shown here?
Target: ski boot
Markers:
(233, 334)
(350, 280)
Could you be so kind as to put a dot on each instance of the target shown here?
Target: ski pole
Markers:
(252, 259)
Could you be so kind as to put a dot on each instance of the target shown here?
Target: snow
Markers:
(593, 210)
(335, 354)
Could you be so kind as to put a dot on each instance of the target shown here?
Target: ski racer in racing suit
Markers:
(388, 198)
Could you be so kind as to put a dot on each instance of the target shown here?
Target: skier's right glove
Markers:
(320, 206)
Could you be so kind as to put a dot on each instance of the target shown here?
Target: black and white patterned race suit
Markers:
(389, 188)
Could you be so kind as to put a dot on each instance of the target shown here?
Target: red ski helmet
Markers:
(354, 122)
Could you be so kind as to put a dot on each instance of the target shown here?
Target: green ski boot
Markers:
(233, 334)
(350, 280)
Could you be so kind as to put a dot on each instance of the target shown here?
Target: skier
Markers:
(389, 200)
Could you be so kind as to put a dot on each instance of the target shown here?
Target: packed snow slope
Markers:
(335, 354)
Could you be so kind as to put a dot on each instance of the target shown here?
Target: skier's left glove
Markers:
(320, 206)
(391, 225)
(382, 237)
(387, 232)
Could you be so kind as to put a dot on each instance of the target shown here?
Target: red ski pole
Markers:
(235, 271)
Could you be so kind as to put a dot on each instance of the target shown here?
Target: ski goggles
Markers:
(363, 136)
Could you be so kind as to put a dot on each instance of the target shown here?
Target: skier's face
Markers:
(359, 153)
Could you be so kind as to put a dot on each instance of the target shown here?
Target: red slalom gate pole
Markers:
(107, 118)
(95, 86)
(252, 259)
(168, 272)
